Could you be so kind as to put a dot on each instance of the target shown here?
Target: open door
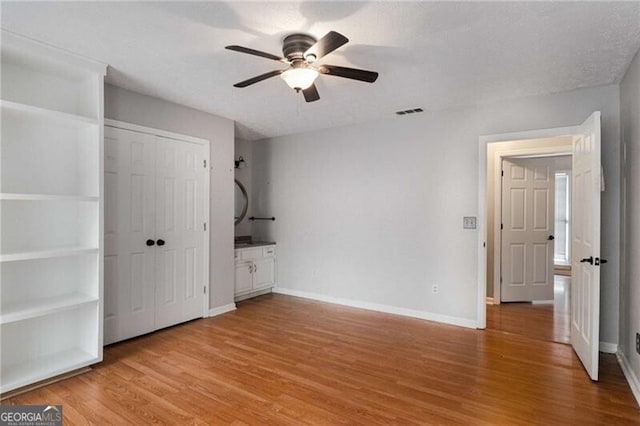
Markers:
(585, 244)
(526, 267)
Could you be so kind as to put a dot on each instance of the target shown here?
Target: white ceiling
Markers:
(432, 55)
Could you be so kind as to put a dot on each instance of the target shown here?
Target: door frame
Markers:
(484, 141)
(207, 193)
(550, 151)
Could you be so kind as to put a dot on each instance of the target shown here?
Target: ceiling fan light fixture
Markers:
(299, 78)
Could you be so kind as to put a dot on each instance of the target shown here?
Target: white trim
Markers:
(490, 301)
(252, 293)
(156, 132)
(462, 322)
(207, 231)
(481, 315)
(608, 348)
(213, 312)
(542, 302)
(41, 49)
(632, 379)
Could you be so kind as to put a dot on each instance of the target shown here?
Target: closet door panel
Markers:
(180, 264)
(129, 223)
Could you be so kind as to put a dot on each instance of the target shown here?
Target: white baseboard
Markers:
(542, 302)
(609, 348)
(462, 322)
(222, 309)
(490, 301)
(634, 382)
(252, 294)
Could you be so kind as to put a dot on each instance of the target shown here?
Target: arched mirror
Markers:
(241, 202)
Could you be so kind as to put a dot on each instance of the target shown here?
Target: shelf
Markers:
(45, 197)
(44, 254)
(48, 113)
(43, 367)
(41, 307)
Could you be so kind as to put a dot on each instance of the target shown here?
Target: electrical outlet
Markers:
(434, 289)
(638, 343)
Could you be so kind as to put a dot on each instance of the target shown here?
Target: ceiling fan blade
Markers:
(352, 73)
(311, 93)
(256, 53)
(258, 78)
(327, 44)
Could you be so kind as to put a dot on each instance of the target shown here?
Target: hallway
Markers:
(549, 322)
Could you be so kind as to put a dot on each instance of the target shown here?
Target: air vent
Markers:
(409, 111)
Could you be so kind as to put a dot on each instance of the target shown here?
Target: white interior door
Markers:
(180, 262)
(585, 244)
(129, 264)
(527, 229)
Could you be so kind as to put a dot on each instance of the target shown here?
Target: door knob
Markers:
(551, 238)
(600, 261)
(587, 260)
(150, 242)
(160, 242)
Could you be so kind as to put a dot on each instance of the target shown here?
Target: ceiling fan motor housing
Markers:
(294, 46)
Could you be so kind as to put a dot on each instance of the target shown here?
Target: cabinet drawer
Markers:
(254, 253)
(269, 251)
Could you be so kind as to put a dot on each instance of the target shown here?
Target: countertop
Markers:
(254, 244)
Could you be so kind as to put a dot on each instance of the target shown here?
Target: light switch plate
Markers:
(469, 222)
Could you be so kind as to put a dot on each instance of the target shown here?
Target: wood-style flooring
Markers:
(545, 322)
(285, 360)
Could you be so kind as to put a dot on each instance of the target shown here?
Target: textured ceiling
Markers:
(432, 55)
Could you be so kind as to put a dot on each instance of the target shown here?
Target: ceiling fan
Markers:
(301, 51)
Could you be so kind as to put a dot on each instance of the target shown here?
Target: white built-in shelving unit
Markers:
(51, 212)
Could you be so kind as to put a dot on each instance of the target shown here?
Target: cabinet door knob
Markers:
(150, 242)
(160, 242)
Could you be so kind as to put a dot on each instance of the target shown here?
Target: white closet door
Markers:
(129, 264)
(180, 262)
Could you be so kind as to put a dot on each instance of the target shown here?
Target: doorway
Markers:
(529, 214)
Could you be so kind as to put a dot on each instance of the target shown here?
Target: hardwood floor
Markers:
(545, 322)
(285, 360)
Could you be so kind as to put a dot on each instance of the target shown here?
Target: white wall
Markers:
(245, 149)
(373, 212)
(630, 288)
(132, 107)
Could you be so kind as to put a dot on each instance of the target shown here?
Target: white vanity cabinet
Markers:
(255, 270)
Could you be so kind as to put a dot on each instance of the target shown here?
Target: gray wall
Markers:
(630, 288)
(135, 108)
(373, 212)
(245, 149)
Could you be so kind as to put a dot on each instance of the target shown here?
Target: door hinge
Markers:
(205, 164)
(502, 172)
(205, 289)
(205, 226)
(500, 280)
(502, 226)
